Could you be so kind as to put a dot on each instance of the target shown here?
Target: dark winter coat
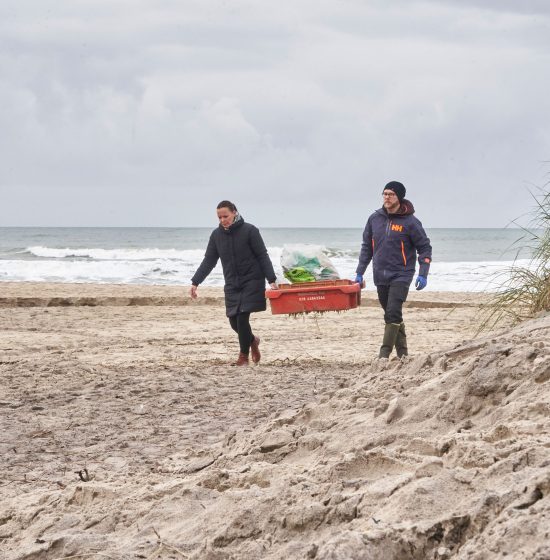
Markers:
(245, 263)
(392, 242)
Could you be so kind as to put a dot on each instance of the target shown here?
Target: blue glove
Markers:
(359, 279)
(421, 282)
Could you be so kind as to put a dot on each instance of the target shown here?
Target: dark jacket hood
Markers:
(237, 223)
(406, 208)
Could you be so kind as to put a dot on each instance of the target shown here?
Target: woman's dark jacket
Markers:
(392, 242)
(245, 263)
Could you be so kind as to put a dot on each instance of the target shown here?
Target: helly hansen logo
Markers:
(396, 227)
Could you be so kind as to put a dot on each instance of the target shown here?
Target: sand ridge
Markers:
(30, 294)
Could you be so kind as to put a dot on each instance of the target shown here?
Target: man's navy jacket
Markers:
(392, 242)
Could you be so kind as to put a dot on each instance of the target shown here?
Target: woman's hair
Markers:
(226, 204)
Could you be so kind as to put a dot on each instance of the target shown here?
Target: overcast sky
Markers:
(149, 112)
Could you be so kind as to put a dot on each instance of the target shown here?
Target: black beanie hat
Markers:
(398, 188)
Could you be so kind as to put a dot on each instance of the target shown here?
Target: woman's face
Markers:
(226, 217)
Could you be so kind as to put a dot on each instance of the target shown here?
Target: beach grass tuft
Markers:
(524, 291)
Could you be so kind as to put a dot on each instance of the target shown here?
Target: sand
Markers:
(125, 433)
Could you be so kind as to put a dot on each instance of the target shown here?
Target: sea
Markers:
(464, 260)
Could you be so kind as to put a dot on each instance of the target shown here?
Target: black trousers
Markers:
(240, 323)
(391, 299)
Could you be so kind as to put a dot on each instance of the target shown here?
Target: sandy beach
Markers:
(127, 434)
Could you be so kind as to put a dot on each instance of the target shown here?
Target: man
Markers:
(392, 239)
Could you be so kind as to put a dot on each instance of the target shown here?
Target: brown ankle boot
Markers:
(255, 350)
(242, 360)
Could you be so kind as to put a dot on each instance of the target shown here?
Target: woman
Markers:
(246, 265)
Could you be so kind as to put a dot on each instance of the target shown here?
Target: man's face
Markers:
(391, 202)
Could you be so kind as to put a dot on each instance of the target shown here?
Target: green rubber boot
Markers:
(390, 336)
(401, 342)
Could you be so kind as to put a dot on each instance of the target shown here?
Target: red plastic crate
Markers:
(332, 295)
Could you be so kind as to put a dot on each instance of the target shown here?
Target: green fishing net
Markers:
(306, 264)
(299, 274)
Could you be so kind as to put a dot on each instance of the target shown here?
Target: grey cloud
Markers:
(187, 103)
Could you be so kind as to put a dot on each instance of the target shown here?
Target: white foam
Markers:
(172, 266)
(116, 254)
(123, 272)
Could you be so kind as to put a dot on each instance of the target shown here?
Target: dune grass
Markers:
(524, 291)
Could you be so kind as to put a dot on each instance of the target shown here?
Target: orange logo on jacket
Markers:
(396, 227)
